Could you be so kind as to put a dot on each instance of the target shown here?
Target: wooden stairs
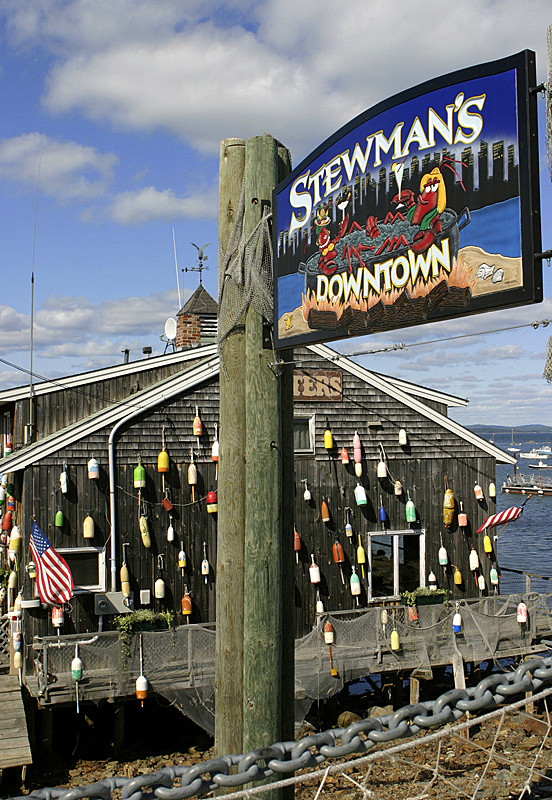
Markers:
(15, 750)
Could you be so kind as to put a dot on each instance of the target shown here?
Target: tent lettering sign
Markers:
(425, 207)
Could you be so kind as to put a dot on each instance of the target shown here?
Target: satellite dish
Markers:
(170, 328)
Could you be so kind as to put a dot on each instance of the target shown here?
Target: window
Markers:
(87, 565)
(7, 434)
(303, 434)
(396, 562)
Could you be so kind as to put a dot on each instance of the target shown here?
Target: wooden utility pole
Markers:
(267, 546)
(231, 481)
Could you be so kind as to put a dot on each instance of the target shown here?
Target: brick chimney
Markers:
(197, 320)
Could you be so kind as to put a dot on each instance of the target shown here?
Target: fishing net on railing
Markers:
(179, 663)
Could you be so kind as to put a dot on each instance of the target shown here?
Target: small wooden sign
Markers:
(319, 384)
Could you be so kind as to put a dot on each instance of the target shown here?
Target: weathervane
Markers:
(201, 258)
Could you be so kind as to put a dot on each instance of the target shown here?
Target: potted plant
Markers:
(423, 595)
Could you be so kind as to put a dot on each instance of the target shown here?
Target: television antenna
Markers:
(170, 335)
(201, 258)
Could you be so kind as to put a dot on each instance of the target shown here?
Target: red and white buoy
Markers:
(329, 639)
(141, 680)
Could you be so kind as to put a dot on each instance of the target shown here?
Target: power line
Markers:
(403, 346)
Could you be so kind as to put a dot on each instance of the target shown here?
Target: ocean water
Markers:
(526, 543)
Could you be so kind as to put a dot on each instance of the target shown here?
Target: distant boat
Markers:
(536, 454)
(540, 465)
(514, 448)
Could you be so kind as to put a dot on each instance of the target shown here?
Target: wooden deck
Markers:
(15, 750)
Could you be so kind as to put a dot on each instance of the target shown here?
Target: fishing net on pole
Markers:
(246, 273)
(548, 99)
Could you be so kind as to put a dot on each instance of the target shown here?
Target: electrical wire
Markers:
(403, 346)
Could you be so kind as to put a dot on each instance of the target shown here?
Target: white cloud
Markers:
(68, 171)
(208, 70)
(147, 204)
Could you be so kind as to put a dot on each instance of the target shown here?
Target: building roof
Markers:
(200, 303)
(207, 368)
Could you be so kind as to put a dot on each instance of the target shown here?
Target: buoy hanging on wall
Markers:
(457, 620)
(144, 531)
(448, 505)
(344, 456)
(410, 509)
(478, 491)
(296, 544)
(360, 495)
(197, 427)
(57, 616)
(205, 564)
(307, 496)
(357, 453)
(124, 574)
(139, 475)
(492, 490)
(328, 439)
(58, 520)
(159, 587)
(354, 582)
(186, 605)
(64, 481)
(182, 559)
(462, 517)
(314, 571)
(88, 527)
(325, 511)
(215, 451)
(93, 469)
(211, 500)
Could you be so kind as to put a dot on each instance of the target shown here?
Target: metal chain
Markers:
(284, 758)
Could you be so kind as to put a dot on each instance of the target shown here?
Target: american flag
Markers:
(53, 576)
(510, 514)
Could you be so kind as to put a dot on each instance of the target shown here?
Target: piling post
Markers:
(231, 479)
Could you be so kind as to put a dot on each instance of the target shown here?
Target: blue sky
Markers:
(123, 104)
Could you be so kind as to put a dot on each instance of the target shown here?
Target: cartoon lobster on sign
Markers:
(426, 210)
(326, 245)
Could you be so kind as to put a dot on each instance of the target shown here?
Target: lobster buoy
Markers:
(478, 491)
(474, 560)
(443, 556)
(410, 509)
(344, 455)
(186, 605)
(64, 482)
(88, 527)
(182, 558)
(10, 503)
(493, 576)
(395, 642)
(361, 555)
(7, 521)
(307, 496)
(448, 505)
(319, 605)
(360, 495)
(354, 582)
(296, 544)
(14, 547)
(93, 469)
(58, 520)
(17, 641)
(2, 495)
(57, 616)
(325, 511)
(481, 582)
(197, 427)
(18, 660)
(457, 621)
(339, 557)
(329, 639)
(328, 633)
(458, 580)
(492, 490)
(215, 449)
(163, 461)
(357, 454)
(382, 469)
(125, 580)
(17, 606)
(348, 529)
(403, 438)
(382, 513)
(159, 589)
(521, 613)
(462, 517)
(170, 532)
(211, 500)
(141, 688)
(432, 581)
(76, 666)
(192, 476)
(205, 564)
(139, 475)
(328, 439)
(314, 571)
(31, 570)
(487, 544)
(144, 531)
(398, 488)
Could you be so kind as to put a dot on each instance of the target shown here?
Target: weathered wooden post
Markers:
(263, 542)
(231, 480)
